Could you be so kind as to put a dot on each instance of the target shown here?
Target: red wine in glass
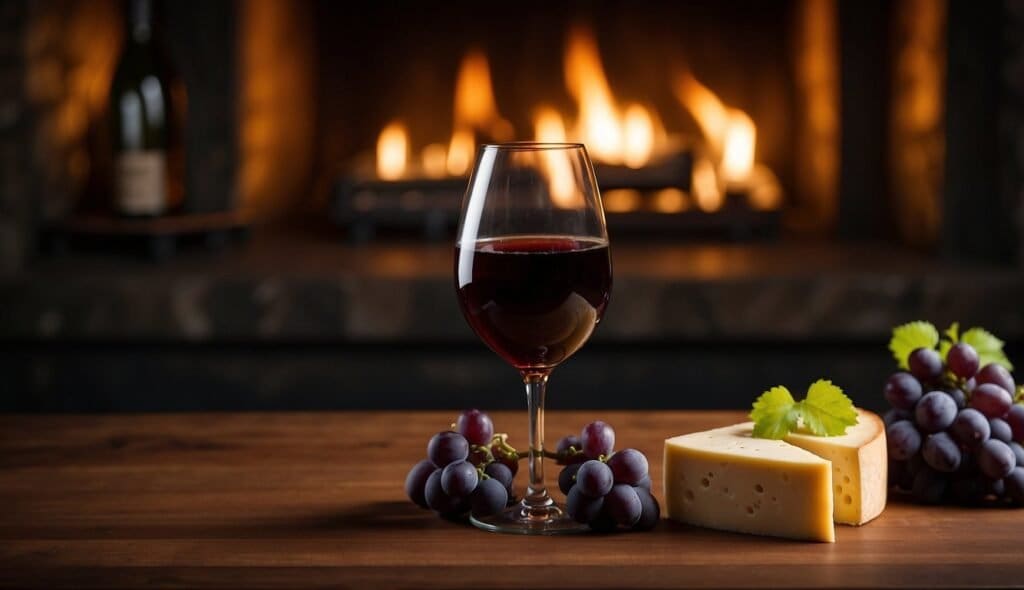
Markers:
(534, 299)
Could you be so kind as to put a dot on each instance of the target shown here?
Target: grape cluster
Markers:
(605, 490)
(954, 431)
(466, 470)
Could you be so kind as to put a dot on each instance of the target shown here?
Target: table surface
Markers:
(300, 500)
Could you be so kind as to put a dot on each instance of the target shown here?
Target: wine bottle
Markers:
(147, 166)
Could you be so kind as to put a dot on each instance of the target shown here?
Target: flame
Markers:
(434, 160)
(638, 136)
(475, 106)
(738, 148)
(548, 125)
(670, 200)
(711, 115)
(621, 200)
(557, 166)
(392, 151)
(460, 152)
(705, 188)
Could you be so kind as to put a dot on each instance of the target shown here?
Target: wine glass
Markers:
(533, 276)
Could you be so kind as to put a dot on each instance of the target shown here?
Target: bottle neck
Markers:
(140, 20)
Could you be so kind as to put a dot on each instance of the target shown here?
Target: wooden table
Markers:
(296, 500)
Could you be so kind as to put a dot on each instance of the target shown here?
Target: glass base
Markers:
(522, 520)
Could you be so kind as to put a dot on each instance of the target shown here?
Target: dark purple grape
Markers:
(991, 400)
(476, 426)
(1018, 452)
(501, 473)
(996, 488)
(902, 390)
(1000, 429)
(1014, 484)
(904, 440)
(895, 415)
(941, 453)
(650, 513)
(995, 459)
(929, 486)
(436, 498)
(628, 466)
(594, 478)
(970, 428)
(644, 483)
(416, 482)
(935, 412)
(459, 479)
(959, 398)
(1015, 418)
(598, 438)
(623, 503)
(570, 450)
(488, 498)
(447, 447)
(581, 507)
(567, 478)
(997, 374)
(925, 364)
(962, 359)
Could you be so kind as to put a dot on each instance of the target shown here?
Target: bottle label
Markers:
(141, 182)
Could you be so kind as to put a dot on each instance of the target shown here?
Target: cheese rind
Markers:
(859, 467)
(725, 479)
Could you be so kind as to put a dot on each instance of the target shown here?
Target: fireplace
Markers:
(781, 179)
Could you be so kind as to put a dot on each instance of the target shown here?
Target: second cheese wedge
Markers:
(726, 479)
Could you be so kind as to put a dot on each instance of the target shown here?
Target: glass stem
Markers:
(537, 502)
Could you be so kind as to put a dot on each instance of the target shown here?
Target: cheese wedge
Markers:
(725, 479)
(859, 467)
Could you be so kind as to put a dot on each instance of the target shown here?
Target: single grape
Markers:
(581, 507)
(959, 397)
(1014, 484)
(501, 473)
(650, 512)
(416, 482)
(902, 390)
(904, 440)
(436, 498)
(995, 459)
(628, 466)
(597, 438)
(570, 450)
(941, 453)
(925, 364)
(447, 447)
(1000, 429)
(567, 478)
(489, 498)
(991, 400)
(1018, 452)
(1015, 418)
(996, 488)
(623, 503)
(970, 428)
(476, 426)
(459, 479)
(929, 486)
(962, 359)
(594, 478)
(644, 483)
(895, 415)
(935, 412)
(970, 384)
(997, 374)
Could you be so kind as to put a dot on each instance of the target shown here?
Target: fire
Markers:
(738, 148)
(612, 136)
(475, 106)
(705, 189)
(392, 151)
(460, 152)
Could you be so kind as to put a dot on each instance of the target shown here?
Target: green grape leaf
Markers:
(774, 413)
(827, 411)
(990, 348)
(909, 337)
(944, 347)
(953, 332)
